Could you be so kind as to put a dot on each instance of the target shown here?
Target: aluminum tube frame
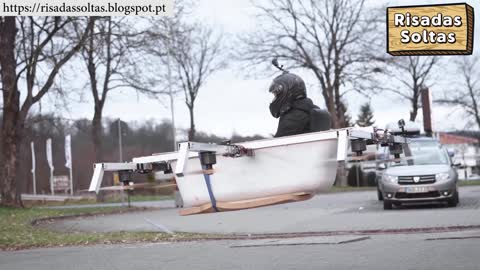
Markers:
(191, 149)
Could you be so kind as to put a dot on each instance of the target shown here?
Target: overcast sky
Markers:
(229, 102)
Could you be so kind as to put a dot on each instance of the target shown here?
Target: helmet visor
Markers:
(276, 89)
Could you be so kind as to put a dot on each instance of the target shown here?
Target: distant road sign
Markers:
(61, 182)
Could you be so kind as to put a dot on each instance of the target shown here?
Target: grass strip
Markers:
(17, 230)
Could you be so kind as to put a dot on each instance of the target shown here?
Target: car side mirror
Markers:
(451, 153)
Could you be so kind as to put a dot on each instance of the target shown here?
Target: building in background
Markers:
(467, 153)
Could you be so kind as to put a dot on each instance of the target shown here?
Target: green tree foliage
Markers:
(347, 119)
(365, 117)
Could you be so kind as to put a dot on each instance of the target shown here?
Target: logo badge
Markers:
(430, 30)
(416, 179)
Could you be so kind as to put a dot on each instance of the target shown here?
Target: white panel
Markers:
(342, 145)
(96, 178)
(68, 151)
(182, 159)
(32, 146)
(49, 153)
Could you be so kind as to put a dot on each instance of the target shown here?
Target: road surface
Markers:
(379, 252)
(456, 249)
(330, 212)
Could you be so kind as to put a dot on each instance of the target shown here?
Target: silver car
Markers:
(424, 174)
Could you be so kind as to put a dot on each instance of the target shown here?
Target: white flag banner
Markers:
(33, 156)
(68, 151)
(49, 154)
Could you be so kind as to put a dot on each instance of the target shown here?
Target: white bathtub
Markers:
(302, 163)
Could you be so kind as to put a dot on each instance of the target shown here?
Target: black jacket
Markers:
(297, 119)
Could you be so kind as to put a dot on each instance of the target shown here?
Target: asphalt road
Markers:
(332, 212)
(418, 251)
(351, 211)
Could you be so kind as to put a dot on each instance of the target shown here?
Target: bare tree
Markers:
(407, 76)
(328, 37)
(152, 73)
(107, 55)
(178, 57)
(467, 94)
(195, 53)
(32, 51)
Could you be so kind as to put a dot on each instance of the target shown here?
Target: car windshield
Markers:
(422, 154)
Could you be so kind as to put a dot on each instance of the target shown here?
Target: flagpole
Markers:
(71, 182)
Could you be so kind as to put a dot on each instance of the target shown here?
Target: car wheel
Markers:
(387, 205)
(453, 202)
(379, 195)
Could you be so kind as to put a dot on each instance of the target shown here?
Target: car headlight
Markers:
(390, 178)
(442, 177)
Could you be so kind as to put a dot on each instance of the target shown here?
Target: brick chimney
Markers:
(427, 111)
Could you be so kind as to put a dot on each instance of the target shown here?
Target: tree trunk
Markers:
(414, 112)
(10, 196)
(11, 113)
(341, 120)
(340, 109)
(97, 132)
(333, 114)
(475, 106)
(191, 132)
(329, 100)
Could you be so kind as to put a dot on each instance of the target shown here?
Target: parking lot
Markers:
(334, 212)
(332, 231)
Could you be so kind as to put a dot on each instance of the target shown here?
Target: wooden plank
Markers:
(247, 204)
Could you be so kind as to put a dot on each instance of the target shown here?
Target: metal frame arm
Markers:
(369, 135)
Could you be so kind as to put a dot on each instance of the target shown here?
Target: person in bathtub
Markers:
(296, 112)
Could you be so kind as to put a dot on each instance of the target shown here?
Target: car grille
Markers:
(424, 179)
(403, 195)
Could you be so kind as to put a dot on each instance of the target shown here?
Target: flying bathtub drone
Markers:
(223, 177)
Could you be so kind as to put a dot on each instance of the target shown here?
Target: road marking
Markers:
(300, 243)
(453, 238)
(159, 226)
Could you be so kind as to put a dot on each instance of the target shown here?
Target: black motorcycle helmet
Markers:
(287, 88)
